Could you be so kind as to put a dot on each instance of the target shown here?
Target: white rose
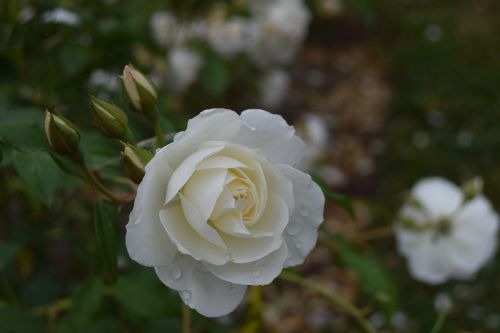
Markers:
(222, 207)
(444, 235)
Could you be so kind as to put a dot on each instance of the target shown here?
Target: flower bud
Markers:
(61, 134)
(134, 161)
(109, 118)
(472, 188)
(138, 91)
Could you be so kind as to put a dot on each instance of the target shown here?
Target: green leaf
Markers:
(23, 129)
(214, 75)
(68, 165)
(341, 200)
(374, 278)
(39, 172)
(144, 295)
(86, 303)
(105, 219)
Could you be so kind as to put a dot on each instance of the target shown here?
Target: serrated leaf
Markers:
(23, 130)
(39, 172)
(105, 219)
(341, 200)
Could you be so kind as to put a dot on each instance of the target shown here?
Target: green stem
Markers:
(334, 298)
(99, 186)
(186, 319)
(438, 326)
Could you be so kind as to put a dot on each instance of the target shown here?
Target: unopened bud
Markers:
(134, 161)
(472, 188)
(109, 118)
(61, 134)
(138, 91)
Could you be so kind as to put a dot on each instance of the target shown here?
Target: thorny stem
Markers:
(99, 186)
(186, 319)
(334, 298)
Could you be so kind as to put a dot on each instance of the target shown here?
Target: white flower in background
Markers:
(184, 65)
(61, 16)
(167, 30)
(228, 37)
(443, 235)
(102, 78)
(273, 87)
(222, 207)
(282, 27)
(316, 135)
(163, 27)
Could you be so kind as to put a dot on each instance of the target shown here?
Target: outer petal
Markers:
(209, 125)
(272, 135)
(302, 231)
(430, 261)
(259, 272)
(146, 240)
(439, 197)
(478, 217)
(200, 289)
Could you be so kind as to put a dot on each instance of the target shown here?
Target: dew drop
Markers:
(256, 273)
(294, 229)
(252, 128)
(232, 289)
(304, 211)
(298, 245)
(175, 272)
(186, 295)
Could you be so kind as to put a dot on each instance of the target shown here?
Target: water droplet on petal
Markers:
(186, 295)
(256, 273)
(294, 229)
(304, 211)
(298, 245)
(232, 288)
(175, 272)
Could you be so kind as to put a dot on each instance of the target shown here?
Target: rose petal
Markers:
(187, 240)
(259, 272)
(223, 162)
(301, 232)
(213, 124)
(199, 223)
(146, 240)
(430, 261)
(439, 197)
(204, 188)
(186, 169)
(478, 217)
(272, 135)
(200, 289)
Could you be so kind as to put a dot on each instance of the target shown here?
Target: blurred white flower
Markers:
(228, 37)
(167, 30)
(222, 207)
(102, 78)
(183, 67)
(316, 134)
(442, 302)
(281, 28)
(26, 14)
(444, 236)
(273, 87)
(61, 16)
